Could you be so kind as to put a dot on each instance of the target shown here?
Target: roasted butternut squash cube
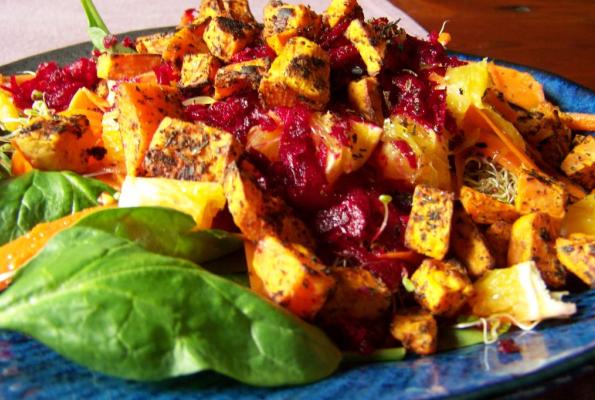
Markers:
(236, 9)
(339, 9)
(235, 78)
(498, 237)
(358, 295)
(364, 96)
(533, 238)
(184, 41)
(428, 230)
(153, 44)
(579, 164)
(536, 192)
(226, 36)
(198, 71)
(369, 44)
(258, 213)
(61, 143)
(441, 287)
(469, 245)
(285, 21)
(125, 66)
(577, 254)
(301, 73)
(141, 107)
(484, 209)
(416, 329)
(292, 276)
(112, 140)
(190, 152)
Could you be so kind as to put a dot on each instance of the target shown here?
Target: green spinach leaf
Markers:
(107, 303)
(41, 197)
(98, 30)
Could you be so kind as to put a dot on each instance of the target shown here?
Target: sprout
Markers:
(385, 199)
(408, 284)
(487, 177)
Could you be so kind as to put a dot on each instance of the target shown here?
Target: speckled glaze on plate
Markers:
(30, 370)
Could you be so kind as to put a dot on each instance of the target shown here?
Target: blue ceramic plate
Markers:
(28, 369)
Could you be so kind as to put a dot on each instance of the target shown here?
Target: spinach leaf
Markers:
(107, 303)
(98, 30)
(165, 231)
(41, 197)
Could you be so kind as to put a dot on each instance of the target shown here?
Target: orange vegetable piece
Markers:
(517, 87)
(20, 165)
(579, 121)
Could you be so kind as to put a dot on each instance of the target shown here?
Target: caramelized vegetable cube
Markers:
(370, 46)
(536, 192)
(258, 213)
(285, 21)
(579, 164)
(416, 329)
(441, 287)
(498, 237)
(226, 36)
(364, 96)
(533, 238)
(292, 276)
(186, 40)
(198, 70)
(485, 209)
(300, 73)
(428, 230)
(236, 9)
(577, 254)
(125, 66)
(153, 44)
(339, 9)
(190, 151)
(235, 78)
(469, 245)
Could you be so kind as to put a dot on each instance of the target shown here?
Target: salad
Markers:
(269, 200)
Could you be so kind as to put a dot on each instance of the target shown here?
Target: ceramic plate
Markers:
(548, 354)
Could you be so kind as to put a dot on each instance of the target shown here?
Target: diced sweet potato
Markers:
(416, 329)
(469, 245)
(517, 87)
(441, 287)
(498, 237)
(292, 276)
(577, 254)
(153, 44)
(533, 238)
(285, 21)
(357, 295)
(61, 143)
(365, 97)
(428, 230)
(236, 9)
(190, 151)
(536, 192)
(226, 36)
(125, 66)
(259, 214)
(339, 9)
(141, 108)
(238, 77)
(184, 41)
(369, 44)
(112, 140)
(484, 209)
(579, 164)
(300, 73)
(198, 71)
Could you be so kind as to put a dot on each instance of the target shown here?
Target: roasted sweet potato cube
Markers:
(54, 144)
(416, 329)
(236, 9)
(292, 276)
(140, 108)
(235, 78)
(190, 151)
(469, 245)
(301, 73)
(498, 237)
(339, 9)
(536, 192)
(125, 66)
(428, 230)
(533, 238)
(364, 96)
(441, 287)
(373, 297)
(198, 71)
(184, 41)
(153, 44)
(258, 213)
(485, 209)
(226, 36)
(369, 44)
(579, 164)
(285, 21)
(577, 254)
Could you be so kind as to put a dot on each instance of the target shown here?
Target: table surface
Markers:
(554, 35)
